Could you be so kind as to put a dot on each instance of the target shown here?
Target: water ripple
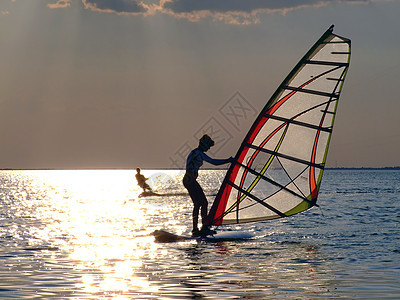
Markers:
(87, 235)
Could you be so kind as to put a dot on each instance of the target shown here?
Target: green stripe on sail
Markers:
(304, 205)
(266, 166)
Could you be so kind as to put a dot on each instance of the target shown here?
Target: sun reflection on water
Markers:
(97, 219)
(85, 235)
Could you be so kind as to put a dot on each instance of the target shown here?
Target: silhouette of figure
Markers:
(141, 181)
(193, 163)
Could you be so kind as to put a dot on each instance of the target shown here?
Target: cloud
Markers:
(117, 6)
(228, 11)
(221, 6)
(238, 11)
(60, 4)
(120, 7)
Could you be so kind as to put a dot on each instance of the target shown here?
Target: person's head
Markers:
(205, 143)
(138, 170)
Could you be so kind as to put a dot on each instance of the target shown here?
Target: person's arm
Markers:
(215, 161)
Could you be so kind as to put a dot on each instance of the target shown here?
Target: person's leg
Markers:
(147, 187)
(193, 188)
(203, 204)
(195, 216)
(205, 230)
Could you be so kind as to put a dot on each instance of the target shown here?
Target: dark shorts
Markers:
(195, 190)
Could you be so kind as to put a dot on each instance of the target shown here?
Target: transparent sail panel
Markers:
(279, 165)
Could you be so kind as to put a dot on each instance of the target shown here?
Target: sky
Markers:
(126, 84)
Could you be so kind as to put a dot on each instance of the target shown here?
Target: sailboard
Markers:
(277, 171)
(279, 166)
(148, 194)
(163, 236)
(154, 194)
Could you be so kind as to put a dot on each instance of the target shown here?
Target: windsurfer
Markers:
(141, 180)
(193, 163)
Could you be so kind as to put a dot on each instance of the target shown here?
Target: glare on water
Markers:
(87, 234)
(98, 221)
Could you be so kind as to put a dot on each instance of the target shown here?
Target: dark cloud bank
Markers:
(229, 11)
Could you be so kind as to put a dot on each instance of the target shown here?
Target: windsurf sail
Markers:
(278, 168)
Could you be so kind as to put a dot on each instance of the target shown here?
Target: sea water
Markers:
(87, 235)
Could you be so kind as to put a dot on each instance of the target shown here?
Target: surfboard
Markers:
(163, 236)
(154, 194)
(148, 194)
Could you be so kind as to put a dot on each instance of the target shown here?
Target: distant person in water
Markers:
(141, 180)
(193, 163)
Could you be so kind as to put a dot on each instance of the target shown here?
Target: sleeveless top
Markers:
(195, 161)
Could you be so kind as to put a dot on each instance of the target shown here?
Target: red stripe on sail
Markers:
(216, 214)
(313, 181)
